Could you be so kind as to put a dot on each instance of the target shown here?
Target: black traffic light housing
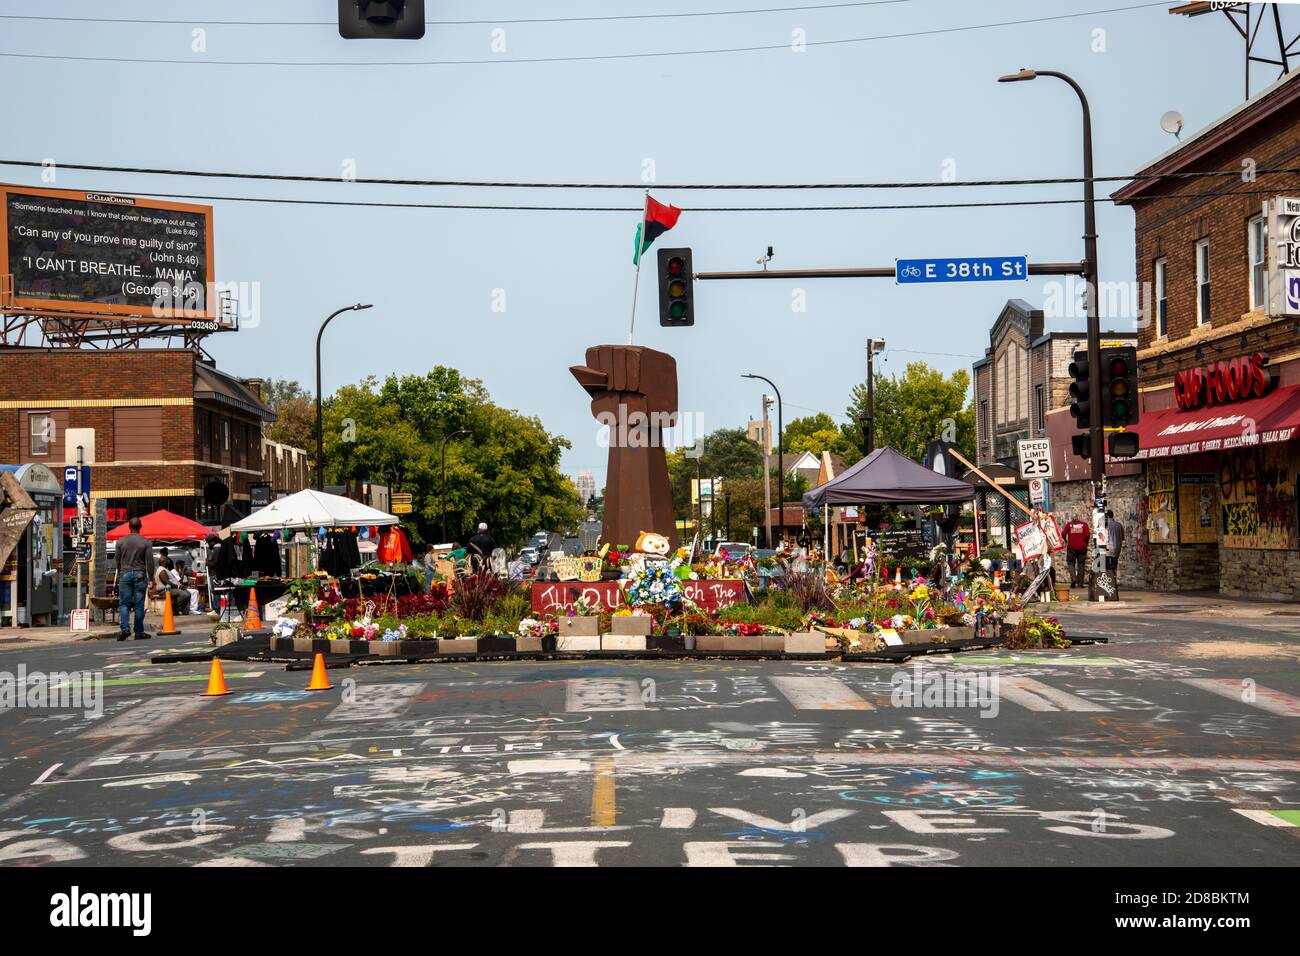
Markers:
(1081, 445)
(1122, 444)
(381, 19)
(1079, 406)
(1119, 386)
(676, 288)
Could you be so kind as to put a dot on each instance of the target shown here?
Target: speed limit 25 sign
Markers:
(1035, 456)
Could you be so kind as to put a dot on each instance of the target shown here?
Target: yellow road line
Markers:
(604, 811)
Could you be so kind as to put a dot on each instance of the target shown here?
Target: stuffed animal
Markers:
(652, 545)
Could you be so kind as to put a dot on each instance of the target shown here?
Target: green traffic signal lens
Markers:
(677, 310)
(1119, 409)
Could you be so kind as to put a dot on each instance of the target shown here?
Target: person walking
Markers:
(430, 566)
(134, 568)
(1114, 544)
(1077, 534)
(481, 547)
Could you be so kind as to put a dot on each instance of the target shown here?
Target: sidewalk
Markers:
(1198, 603)
(190, 625)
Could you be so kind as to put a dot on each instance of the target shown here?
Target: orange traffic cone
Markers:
(898, 575)
(216, 680)
(319, 679)
(253, 616)
(169, 623)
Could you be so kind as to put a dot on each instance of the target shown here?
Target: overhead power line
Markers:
(808, 8)
(206, 61)
(487, 184)
(691, 209)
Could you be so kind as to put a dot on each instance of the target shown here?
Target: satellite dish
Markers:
(1172, 122)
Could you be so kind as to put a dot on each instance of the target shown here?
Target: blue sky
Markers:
(904, 108)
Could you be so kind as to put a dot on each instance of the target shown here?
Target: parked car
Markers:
(530, 556)
(735, 549)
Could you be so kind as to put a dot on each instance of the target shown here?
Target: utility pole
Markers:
(767, 467)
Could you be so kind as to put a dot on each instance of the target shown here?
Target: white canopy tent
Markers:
(313, 509)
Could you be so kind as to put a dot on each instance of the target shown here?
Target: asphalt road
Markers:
(1176, 743)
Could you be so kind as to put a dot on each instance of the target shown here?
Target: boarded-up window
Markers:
(137, 434)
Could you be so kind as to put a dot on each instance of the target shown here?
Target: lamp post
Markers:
(320, 434)
(869, 431)
(442, 485)
(780, 456)
(1096, 436)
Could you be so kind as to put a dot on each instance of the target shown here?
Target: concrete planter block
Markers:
(341, 647)
(580, 626)
(578, 642)
(918, 636)
(734, 642)
(622, 642)
(963, 633)
(386, 648)
(528, 645)
(1012, 618)
(710, 642)
(771, 644)
(631, 625)
(808, 642)
(462, 645)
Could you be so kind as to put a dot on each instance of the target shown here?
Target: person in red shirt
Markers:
(1077, 534)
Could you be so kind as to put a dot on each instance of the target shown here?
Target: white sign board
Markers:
(1037, 491)
(1283, 260)
(1035, 455)
(80, 619)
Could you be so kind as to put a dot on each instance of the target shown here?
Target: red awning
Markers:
(164, 526)
(1259, 421)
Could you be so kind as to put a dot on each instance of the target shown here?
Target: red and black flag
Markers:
(657, 220)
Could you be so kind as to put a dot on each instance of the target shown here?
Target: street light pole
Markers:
(869, 432)
(1096, 433)
(780, 455)
(442, 484)
(320, 434)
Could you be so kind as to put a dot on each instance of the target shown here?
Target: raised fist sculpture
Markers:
(634, 392)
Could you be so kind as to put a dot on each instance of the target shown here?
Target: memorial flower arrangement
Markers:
(655, 584)
(531, 627)
(583, 607)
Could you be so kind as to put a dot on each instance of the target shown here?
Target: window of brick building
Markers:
(1256, 237)
(225, 434)
(984, 422)
(41, 432)
(1161, 298)
(1040, 413)
(1203, 282)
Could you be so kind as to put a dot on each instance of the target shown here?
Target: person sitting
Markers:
(167, 581)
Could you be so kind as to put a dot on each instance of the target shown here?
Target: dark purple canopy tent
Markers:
(886, 476)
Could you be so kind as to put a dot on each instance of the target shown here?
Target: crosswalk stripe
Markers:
(585, 694)
(1037, 696)
(377, 701)
(150, 717)
(819, 693)
(1270, 818)
(1272, 701)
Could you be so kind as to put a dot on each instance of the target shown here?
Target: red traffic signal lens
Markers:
(1118, 368)
(676, 265)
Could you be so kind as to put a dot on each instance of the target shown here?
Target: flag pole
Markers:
(636, 282)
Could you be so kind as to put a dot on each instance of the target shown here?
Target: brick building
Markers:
(157, 427)
(1219, 357)
(1023, 376)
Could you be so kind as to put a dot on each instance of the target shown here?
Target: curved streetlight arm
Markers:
(320, 434)
(442, 484)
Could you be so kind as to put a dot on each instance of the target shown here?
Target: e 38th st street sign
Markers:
(966, 269)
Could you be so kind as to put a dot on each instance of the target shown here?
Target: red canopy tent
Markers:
(164, 526)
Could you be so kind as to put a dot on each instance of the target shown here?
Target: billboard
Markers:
(105, 253)
(1283, 256)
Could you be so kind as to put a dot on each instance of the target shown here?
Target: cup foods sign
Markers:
(1284, 256)
(106, 254)
(1218, 383)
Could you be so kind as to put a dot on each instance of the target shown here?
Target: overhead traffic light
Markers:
(676, 288)
(381, 19)
(1119, 392)
(1079, 391)
(1081, 445)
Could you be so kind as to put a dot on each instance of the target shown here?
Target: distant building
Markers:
(586, 485)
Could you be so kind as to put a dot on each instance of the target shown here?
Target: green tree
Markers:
(295, 415)
(726, 453)
(920, 406)
(504, 471)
